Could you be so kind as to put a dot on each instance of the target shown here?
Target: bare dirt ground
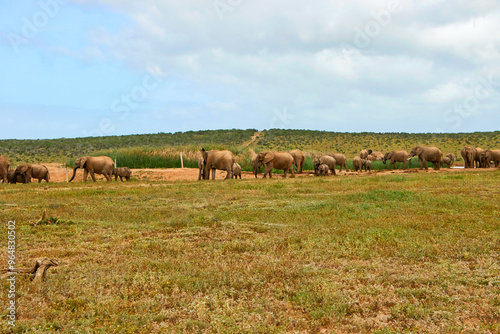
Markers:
(58, 173)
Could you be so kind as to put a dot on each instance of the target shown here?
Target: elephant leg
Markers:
(85, 174)
(228, 175)
(92, 175)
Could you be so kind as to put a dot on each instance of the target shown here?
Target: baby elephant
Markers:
(323, 170)
(367, 164)
(357, 164)
(122, 172)
(236, 171)
(12, 177)
(201, 168)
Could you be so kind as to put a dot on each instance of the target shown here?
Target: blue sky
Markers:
(76, 68)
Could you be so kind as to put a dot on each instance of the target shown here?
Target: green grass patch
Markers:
(380, 253)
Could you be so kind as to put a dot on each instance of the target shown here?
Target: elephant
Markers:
(298, 159)
(323, 170)
(12, 177)
(324, 160)
(492, 155)
(396, 156)
(122, 172)
(236, 171)
(364, 153)
(340, 160)
(94, 165)
(215, 159)
(357, 163)
(377, 155)
(427, 154)
(479, 159)
(367, 164)
(201, 168)
(4, 168)
(36, 171)
(446, 160)
(277, 160)
(452, 158)
(468, 154)
(255, 163)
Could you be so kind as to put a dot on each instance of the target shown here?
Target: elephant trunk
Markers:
(74, 173)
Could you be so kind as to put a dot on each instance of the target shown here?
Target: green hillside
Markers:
(168, 145)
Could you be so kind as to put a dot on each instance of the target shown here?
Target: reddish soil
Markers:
(58, 173)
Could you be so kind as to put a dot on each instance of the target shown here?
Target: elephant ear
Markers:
(22, 169)
(204, 154)
(389, 155)
(268, 157)
(83, 161)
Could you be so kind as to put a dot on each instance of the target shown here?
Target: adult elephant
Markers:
(377, 156)
(215, 159)
(298, 159)
(94, 165)
(324, 160)
(427, 154)
(492, 155)
(364, 154)
(36, 171)
(340, 160)
(396, 156)
(479, 159)
(468, 153)
(256, 164)
(4, 169)
(277, 160)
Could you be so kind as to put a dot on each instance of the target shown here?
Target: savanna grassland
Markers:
(412, 252)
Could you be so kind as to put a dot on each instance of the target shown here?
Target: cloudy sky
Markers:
(76, 68)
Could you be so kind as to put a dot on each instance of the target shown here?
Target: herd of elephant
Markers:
(91, 165)
(326, 164)
(225, 160)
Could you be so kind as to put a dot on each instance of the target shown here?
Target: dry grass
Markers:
(381, 253)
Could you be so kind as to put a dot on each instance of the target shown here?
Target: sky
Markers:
(79, 68)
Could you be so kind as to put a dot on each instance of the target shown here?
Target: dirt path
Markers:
(253, 138)
(58, 173)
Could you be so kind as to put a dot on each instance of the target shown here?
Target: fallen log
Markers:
(39, 269)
